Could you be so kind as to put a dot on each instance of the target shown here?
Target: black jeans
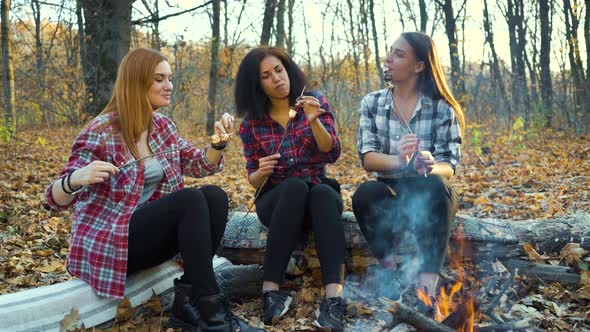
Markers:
(417, 211)
(286, 210)
(190, 221)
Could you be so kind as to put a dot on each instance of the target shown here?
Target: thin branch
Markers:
(152, 19)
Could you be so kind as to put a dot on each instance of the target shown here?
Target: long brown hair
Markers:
(130, 102)
(432, 81)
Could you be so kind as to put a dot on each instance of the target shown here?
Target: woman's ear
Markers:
(419, 67)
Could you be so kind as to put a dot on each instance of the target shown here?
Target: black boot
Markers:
(216, 315)
(185, 315)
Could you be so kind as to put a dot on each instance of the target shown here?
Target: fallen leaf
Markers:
(70, 321)
(572, 253)
(585, 278)
(533, 254)
(124, 310)
(55, 265)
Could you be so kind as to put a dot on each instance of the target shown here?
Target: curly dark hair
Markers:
(251, 101)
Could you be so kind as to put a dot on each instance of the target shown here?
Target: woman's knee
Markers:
(294, 187)
(323, 193)
(367, 193)
(215, 195)
(190, 197)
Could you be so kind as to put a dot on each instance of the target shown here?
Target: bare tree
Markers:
(572, 22)
(9, 88)
(267, 21)
(290, 5)
(451, 31)
(497, 82)
(423, 15)
(155, 13)
(376, 42)
(281, 24)
(107, 36)
(545, 58)
(215, 36)
(354, 47)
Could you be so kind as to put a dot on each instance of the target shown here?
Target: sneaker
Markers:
(275, 304)
(330, 315)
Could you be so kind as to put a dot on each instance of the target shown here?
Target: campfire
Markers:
(459, 302)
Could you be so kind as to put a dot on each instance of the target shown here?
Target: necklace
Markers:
(399, 112)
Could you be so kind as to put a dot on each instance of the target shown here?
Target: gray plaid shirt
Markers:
(380, 129)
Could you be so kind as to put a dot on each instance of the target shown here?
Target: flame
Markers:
(452, 300)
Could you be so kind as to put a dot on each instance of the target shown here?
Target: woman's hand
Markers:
(406, 147)
(311, 107)
(225, 125)
(96, 172)
(424, 163)
(267, 164)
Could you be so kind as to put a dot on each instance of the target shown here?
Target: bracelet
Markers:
(63, 187)
(73, 191)
(219, 146)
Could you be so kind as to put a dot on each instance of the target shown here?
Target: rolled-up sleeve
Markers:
(87, 148)
(367, 139)
(447, 142)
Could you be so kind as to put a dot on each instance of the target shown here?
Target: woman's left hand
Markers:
(424, 162)
(311, 106)
(225, 125)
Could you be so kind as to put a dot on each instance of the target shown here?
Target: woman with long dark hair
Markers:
(410, 137)
(289, 137)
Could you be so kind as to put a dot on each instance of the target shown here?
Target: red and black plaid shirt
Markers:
(300, 156)
(100, 227)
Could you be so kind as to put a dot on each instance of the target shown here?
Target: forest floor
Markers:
(515, 175)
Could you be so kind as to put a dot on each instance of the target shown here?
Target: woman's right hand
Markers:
(267, 164)
(407, 146)
(95, 172)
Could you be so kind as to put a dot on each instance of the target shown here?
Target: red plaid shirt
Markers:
(300, 156)
(100, 228)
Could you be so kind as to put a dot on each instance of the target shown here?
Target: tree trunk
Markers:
(423, 15)
(108, 34)
(355, 56)
(267, 21)
(214, 66)
(545, 60)
(9, 125)
(364, 28)
(290, 6)
(572, 22)
(281, 24)
(376, 43)
(41, 98)
(83, 58)
(451, 31)
(587, 85)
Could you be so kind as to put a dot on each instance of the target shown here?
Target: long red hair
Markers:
(130, 102)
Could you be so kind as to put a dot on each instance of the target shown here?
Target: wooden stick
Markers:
(521, 324)
(498, 296)
(405, 314)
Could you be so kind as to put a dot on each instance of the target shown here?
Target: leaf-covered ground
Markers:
(514, 176)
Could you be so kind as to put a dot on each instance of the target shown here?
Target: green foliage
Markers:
(476, 141)
(518, 134)
(5, 133)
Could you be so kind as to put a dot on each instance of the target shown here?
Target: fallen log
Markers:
(401, 313)
(43, 308)
(480, 239)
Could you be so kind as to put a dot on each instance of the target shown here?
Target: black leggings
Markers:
(190, 221)
(284, 210)
(390, 212)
